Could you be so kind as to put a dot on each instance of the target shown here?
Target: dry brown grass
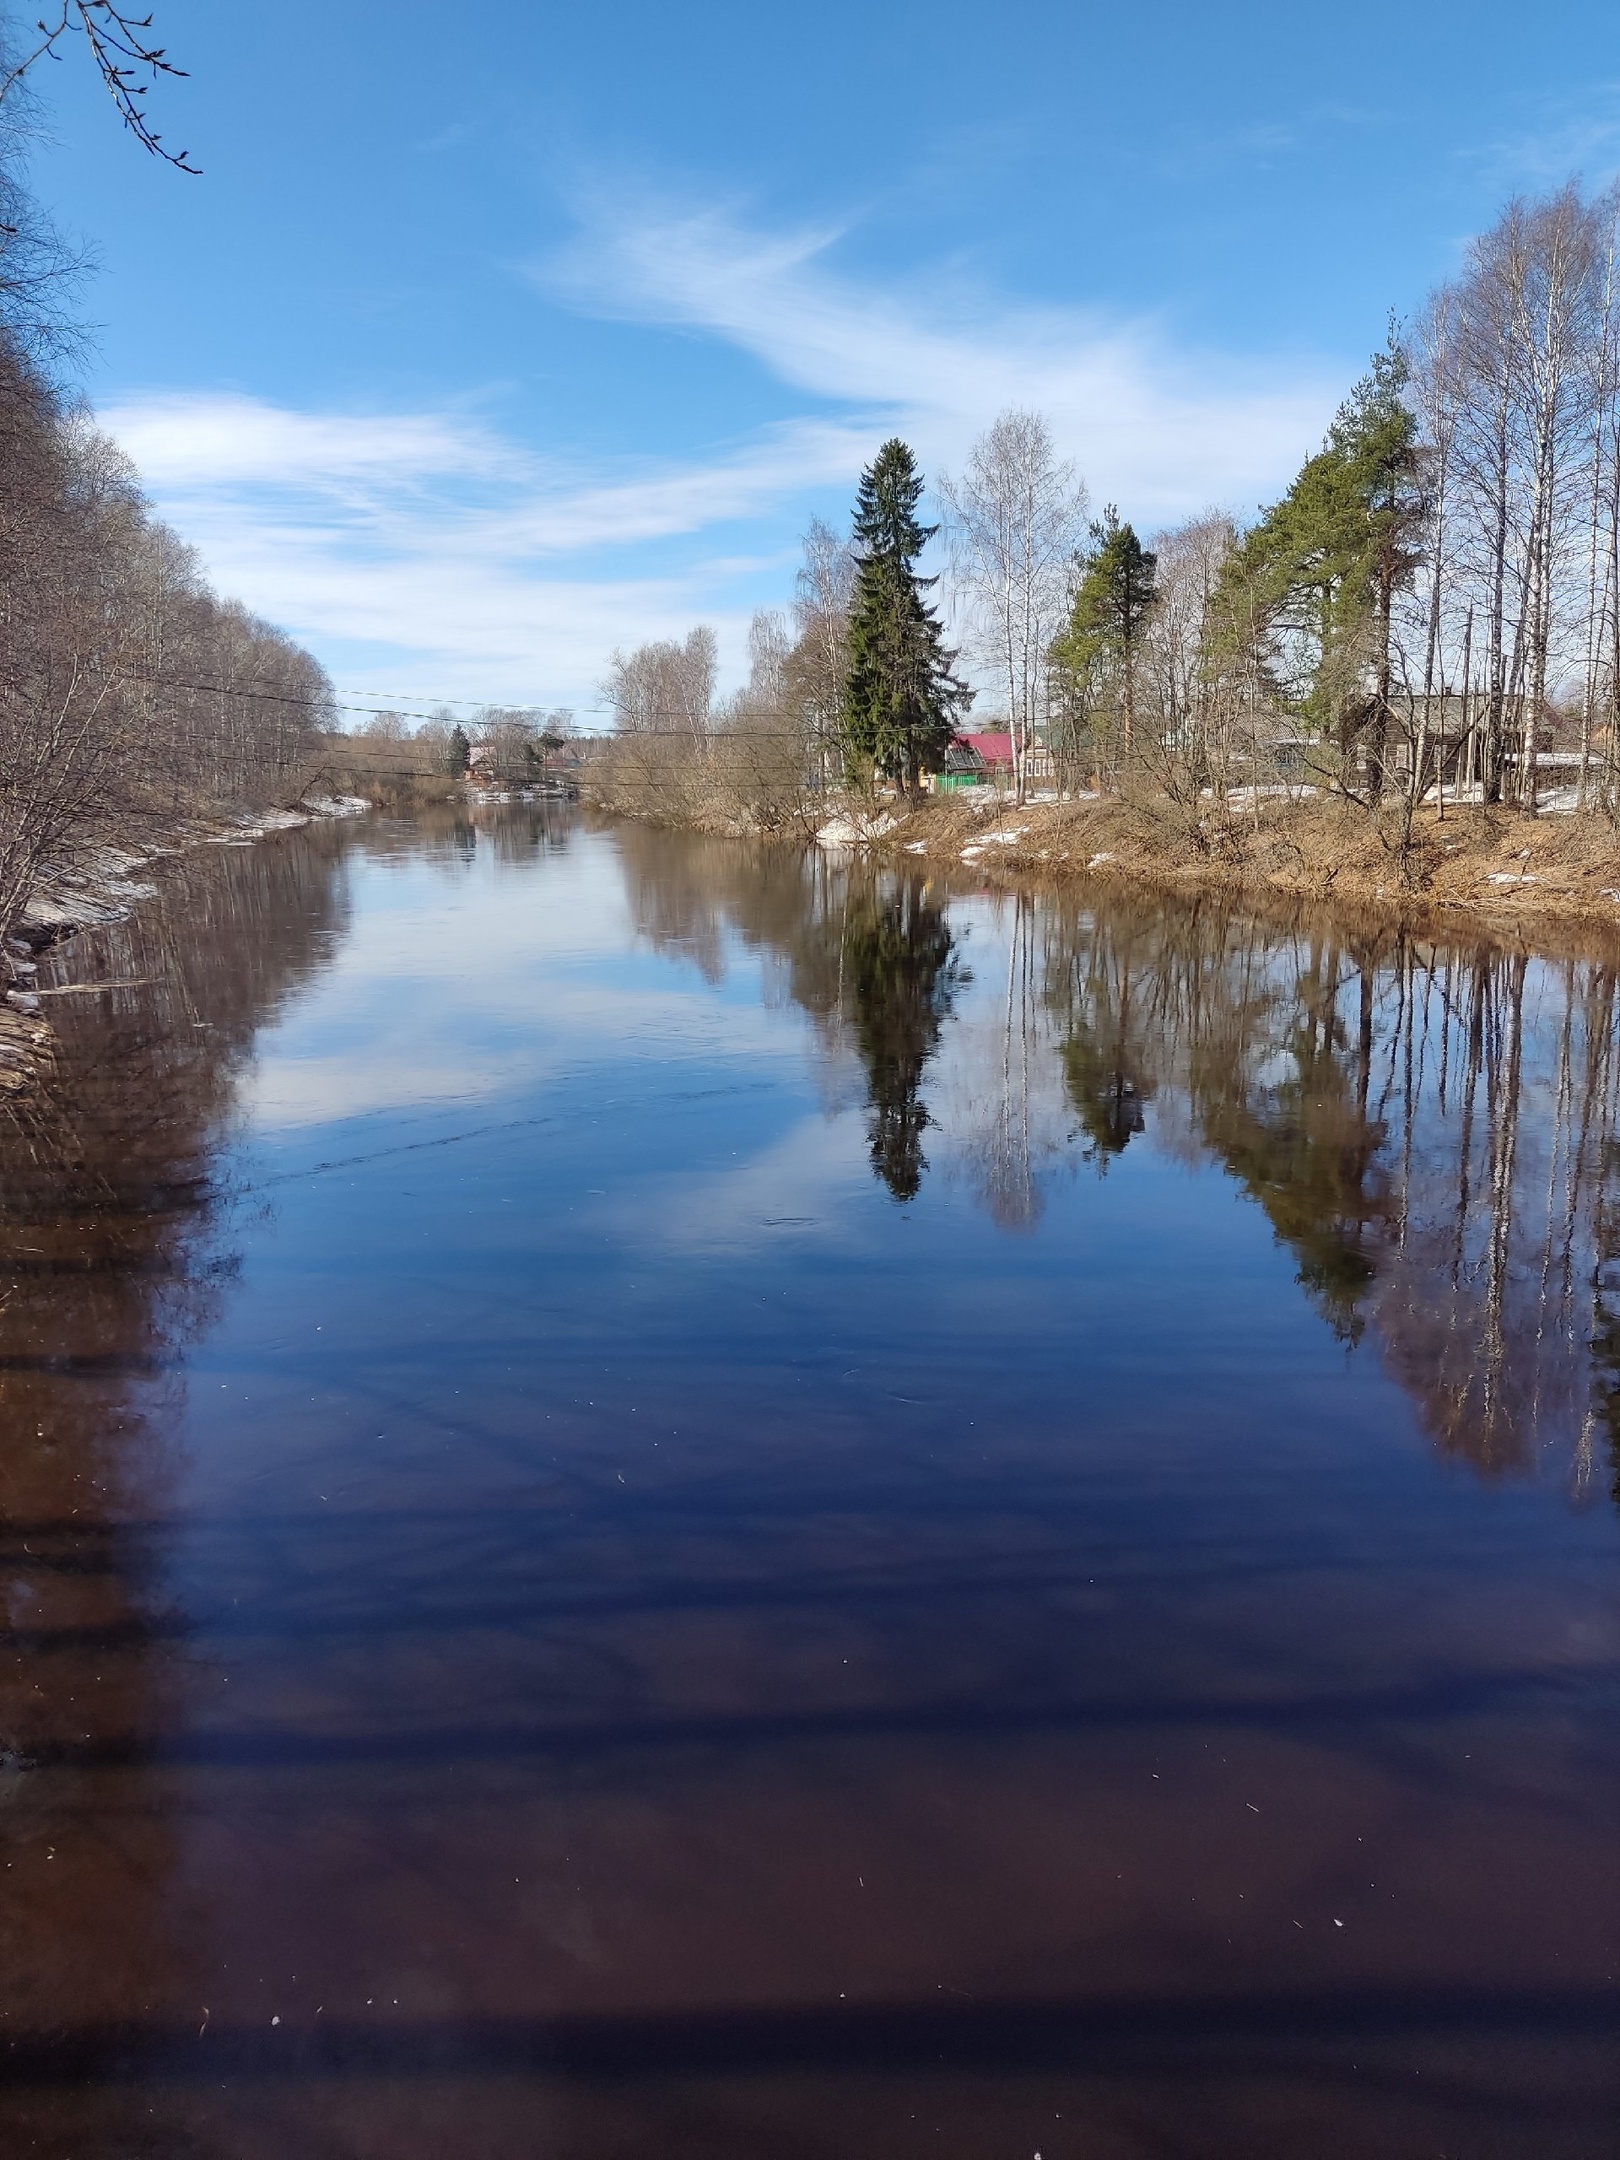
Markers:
(1493, 864)
(25, 1051)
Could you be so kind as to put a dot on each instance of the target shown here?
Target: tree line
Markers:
(390, 754)
(131, 694)
(1429, 615)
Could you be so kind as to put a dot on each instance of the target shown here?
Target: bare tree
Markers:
(1554, 304)
(817, 667)
(121, 50)
(128, 692)
(1176, 634)
(1602, 361)
(1526, 380)
(665, 688)
(1013, 521)
(761, 756)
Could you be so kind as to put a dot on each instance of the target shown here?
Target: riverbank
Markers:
(100, 888)
(1487, 864)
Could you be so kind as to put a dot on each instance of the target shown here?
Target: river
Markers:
(667, 1499)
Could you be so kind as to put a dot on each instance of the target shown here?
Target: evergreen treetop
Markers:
(1097, 648)
(1117, 588)
(901, 697)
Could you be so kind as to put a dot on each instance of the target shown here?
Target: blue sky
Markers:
(492, 338)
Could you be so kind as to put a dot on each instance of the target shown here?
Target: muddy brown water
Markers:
(663, 1500)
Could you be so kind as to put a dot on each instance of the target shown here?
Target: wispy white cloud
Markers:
(221, 440)
(1163, 430)
(433, 544)
(486, 491)
(477, 567)
(662, 500)
(1581, 137)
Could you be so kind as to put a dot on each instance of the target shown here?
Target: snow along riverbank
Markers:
(101, 887)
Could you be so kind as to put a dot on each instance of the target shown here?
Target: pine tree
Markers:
(1112, 602)
(458, 752)
(901, 697)
(1323, 566)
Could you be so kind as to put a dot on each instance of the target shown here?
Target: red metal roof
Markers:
(995, 749)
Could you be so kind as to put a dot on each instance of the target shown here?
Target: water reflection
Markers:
(1429, 1128)
(899, 978)
(873, 1685)
(1426, 1127)
(113, 1262)
(871, 958)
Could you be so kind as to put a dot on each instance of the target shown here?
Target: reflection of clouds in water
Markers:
(391, 1025)
(286, 1093)
(801, 1186)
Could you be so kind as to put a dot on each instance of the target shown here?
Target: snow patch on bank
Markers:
(855, 828)
(100, 890)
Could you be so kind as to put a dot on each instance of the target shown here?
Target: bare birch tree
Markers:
(817, 667)
(1014, 520)
(1525, 379)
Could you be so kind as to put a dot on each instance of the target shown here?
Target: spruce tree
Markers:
(901, 698)
(458, 751)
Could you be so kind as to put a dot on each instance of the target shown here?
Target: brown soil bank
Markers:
(1490, 864)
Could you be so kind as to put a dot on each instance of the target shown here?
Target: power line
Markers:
(318, 704)
(673, 721)
(428, 697)
(678, 724)
(409, 697)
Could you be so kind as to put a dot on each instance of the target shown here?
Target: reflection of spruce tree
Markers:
(898, 981)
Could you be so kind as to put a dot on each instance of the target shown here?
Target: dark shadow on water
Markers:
(1185, 2035)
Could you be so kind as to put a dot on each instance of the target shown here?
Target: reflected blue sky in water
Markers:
(625, 1575)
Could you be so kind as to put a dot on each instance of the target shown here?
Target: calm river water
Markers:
(666, 1502)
